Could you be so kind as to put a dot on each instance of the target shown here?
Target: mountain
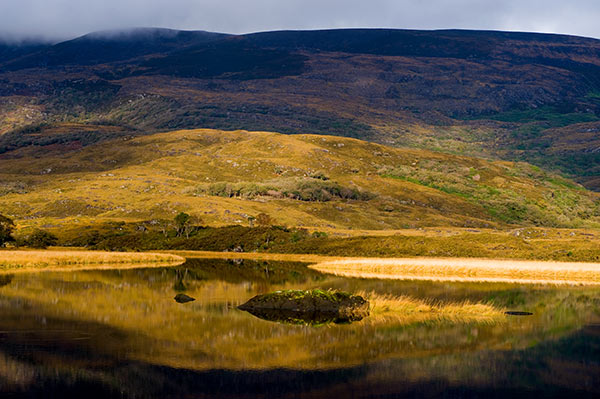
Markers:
(10, 49)
(499, 95)
(110, 46)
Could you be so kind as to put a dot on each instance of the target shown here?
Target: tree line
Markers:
(183, 225)
(38, 238)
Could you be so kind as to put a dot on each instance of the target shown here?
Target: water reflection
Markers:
(120, 333)
(313, 319)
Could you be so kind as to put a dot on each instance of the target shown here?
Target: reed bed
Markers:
(470, 270)
(35, 260)
(389, 309)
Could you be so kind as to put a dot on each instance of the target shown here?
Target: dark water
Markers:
(121, 334)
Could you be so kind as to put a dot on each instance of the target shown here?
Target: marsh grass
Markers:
(390, 309)
(33, 260)
(476, 270)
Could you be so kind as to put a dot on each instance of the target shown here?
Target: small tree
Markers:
(41, 239)
(7, 226)
(264, 220)
(182, 221)
(192, 224)
(164, 226)
(251, 220)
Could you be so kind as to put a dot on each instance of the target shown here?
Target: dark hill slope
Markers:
(11, 51)
(111, 46)
(493, 94)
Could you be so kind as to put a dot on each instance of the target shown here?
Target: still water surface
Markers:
(120, 333)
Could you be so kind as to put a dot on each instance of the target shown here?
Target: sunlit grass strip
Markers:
(306, 258)
(28, 260)
(469, 270)
(386, 309)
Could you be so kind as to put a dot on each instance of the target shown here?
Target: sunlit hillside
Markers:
(317, 182)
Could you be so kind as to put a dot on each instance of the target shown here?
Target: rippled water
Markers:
(122, 334)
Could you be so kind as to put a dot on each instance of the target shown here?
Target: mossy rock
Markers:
(308, 307)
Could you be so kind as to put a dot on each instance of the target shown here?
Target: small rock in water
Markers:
(183, 298)
(518, 313)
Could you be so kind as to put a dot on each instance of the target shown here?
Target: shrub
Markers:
(7, 227)
(311, 189)
(182, 220)
(264, 220)
(41, 239)
(319, 175)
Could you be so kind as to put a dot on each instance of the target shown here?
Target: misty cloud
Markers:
(60, 19)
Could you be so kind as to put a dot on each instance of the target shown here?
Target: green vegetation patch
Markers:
(555, 116)
(533, 121)
(229, 238)
(506, 197)
(303, 189)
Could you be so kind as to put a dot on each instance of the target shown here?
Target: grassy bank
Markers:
(61, 260)
(471, 270)
(527, 243)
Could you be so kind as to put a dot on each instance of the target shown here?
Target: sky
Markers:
(64, 19)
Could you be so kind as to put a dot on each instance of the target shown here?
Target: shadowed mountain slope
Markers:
(111, 46)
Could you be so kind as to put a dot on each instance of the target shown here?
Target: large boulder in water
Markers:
(309, 307)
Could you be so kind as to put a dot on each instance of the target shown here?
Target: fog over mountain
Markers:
(64, 19)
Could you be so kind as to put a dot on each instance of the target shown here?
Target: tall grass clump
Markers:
(386, 309)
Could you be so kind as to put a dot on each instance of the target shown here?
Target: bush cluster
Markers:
(307, 189)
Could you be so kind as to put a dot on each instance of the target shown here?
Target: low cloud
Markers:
(61, 19)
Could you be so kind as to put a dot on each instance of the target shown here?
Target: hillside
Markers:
(510, 96)
(310, 181)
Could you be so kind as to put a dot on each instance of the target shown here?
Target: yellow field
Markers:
(26, 261)
(488, 270)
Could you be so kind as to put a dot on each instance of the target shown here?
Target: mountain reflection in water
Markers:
(119, 333)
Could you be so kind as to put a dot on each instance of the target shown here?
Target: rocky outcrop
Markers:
(308, 307)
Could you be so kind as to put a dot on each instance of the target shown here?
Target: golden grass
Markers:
(69, 260)
(389, 309)
(473, 270)
(306, 258)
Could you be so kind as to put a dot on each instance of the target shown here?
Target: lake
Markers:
(120, 333)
